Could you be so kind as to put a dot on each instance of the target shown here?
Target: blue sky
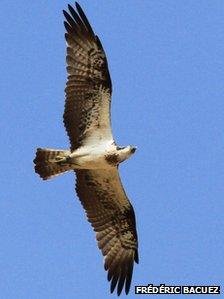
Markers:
(166, 63)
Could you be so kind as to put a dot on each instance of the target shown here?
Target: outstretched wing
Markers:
(113, 219)
(88, 89)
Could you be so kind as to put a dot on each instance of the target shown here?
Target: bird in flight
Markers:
(93, 155)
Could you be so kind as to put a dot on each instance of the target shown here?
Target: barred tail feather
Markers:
(47, 162)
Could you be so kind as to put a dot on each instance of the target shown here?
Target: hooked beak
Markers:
(133, 149)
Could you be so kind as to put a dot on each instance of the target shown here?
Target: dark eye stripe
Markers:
(120, 148)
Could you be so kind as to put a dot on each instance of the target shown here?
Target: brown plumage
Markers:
(93, 153)
(112, 217)
(88, 88)
(48, 162)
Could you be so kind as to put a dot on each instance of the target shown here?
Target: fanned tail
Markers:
(51, 162)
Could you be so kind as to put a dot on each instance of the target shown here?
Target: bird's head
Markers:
(125, 152)
(130, 149)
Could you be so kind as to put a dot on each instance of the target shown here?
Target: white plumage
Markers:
(94, 155)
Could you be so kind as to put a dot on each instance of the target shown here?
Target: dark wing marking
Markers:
(113, 219)
(88, 89)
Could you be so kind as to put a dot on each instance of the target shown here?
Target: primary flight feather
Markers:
(94, 155)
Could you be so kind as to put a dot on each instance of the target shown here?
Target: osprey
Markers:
(94, 155)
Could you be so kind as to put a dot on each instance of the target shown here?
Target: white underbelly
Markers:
(90, 157)
(91, 162)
